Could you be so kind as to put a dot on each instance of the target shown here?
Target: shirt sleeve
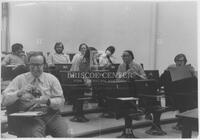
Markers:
(141, 71)
(102, 61)
(119, 71)
(6, 60)
(57, 99)
(67, 58)
(50, 59)
(192, 70)
(9, 95)
(75, 63)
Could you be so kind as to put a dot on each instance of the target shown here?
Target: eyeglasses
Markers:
(180, 60)
(125, 56)
(36, 65)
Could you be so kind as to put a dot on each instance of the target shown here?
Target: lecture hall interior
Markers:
(99, 69)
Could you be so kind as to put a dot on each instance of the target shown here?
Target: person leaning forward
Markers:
(49, 99)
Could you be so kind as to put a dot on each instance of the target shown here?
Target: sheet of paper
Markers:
(179, 73)
(127, 98)
(28, 113)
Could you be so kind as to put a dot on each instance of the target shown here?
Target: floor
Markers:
(98, 123)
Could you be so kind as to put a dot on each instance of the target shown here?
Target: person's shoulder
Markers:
(22, 76)
(49, 76)
(135, 63)
(9, 55)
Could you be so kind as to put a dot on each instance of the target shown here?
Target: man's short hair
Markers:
(130, 52)
(178, 56)
(34, 54)
(16, 47)
(111, 49)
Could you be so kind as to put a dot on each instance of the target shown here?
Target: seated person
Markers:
(58, 57)
(50, 100)
(79, 57)
(106, 59)
(94, 58)
(16, 61)
(131, 70)
(129, 67)
(81, 63)
(181, 102)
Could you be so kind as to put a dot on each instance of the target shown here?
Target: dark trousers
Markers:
(52, 124)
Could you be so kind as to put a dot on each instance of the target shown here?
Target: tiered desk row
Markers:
(124, 98)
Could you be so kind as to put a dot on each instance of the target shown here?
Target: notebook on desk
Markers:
(146, 86)
(27, 114)
(179, 73)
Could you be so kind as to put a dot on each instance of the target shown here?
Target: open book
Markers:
(179, 73)
(28, 114)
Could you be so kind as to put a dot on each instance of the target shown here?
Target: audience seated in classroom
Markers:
(21, 94)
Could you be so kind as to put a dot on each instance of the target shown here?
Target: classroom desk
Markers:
(189, 120)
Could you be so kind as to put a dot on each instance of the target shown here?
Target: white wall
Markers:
(126, 25)
(177, 32)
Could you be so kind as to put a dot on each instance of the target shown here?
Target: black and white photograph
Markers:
(99, 69)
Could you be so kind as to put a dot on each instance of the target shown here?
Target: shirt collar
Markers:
(32, 78)
(59, 53)
(131, 63)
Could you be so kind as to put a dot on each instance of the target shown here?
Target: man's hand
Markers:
(25, 90)
(41, 100)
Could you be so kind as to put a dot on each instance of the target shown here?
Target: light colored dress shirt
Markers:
(12, 59)
(76, 62)
(48, 84)
(58, 59)
(133, 66)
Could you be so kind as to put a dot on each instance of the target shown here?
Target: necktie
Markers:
(127, 67)
(35, 82)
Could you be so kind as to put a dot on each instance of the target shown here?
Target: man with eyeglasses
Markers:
(130, 69)
(180, 102)
(181, 60)
(37, 91)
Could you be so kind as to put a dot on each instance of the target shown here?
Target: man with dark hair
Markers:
(106, 59)
(129, 67)
(58, 57)
(21, 93)
(15, 63)
(16, 58)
